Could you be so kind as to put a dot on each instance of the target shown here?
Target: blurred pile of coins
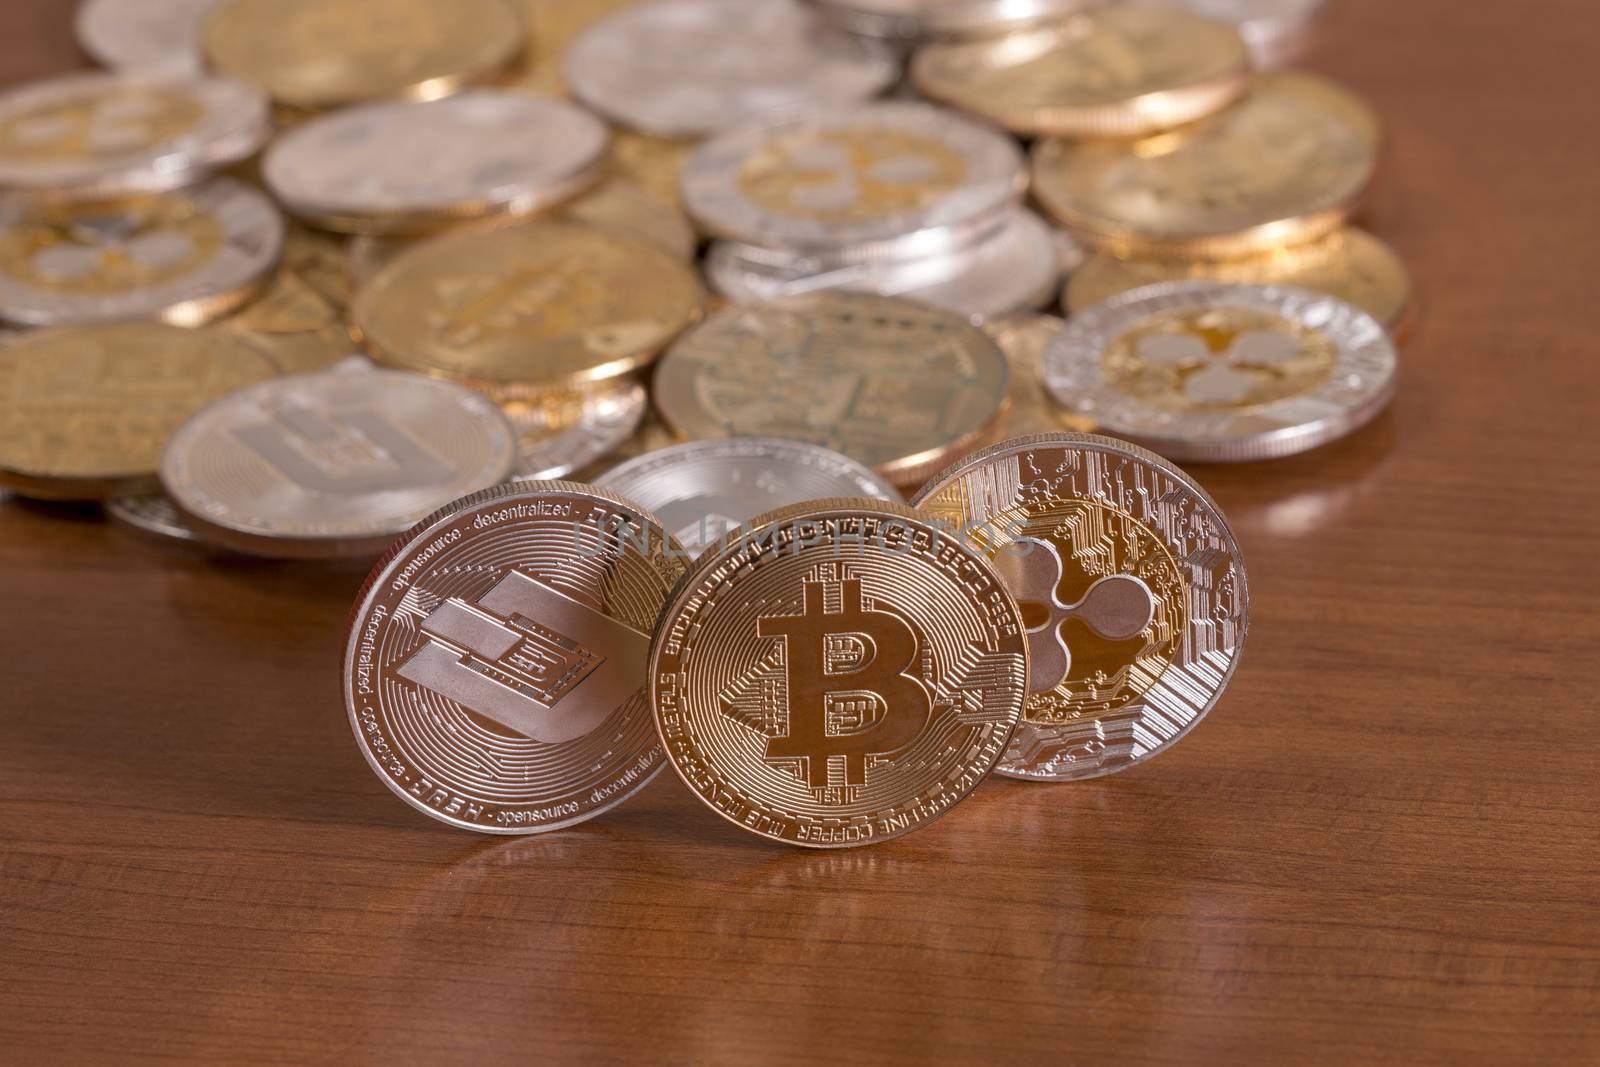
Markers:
(295, 277)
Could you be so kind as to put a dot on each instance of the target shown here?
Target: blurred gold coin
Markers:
(653, 162)
(294, 324)
(1285, 164)
(542, 305)
(1114, 72)
(85, 411)
(311, 54)
(1351, 264)
(1031, 409)
(898, 386)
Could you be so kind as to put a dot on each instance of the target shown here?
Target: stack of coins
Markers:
(365, 278)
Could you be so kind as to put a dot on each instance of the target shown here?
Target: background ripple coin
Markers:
(495, 667)
(1131, 586)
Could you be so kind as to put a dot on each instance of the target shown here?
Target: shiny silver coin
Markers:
(1131, 586)
(83, 136)
(1275, 31)
(913, 19)
(153, 517)
(706, 491)
(563, 432)
(160, 36)
(1014, 269)
(332, 464)
(889, 179)
(1223, 373)
(409, 165)
(184, 257)
(690, 68)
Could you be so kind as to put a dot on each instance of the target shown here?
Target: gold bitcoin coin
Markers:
(1285, 164)
(1032, 409)
(85, 411)
(843, 674)
(495, 668)
(311, 54)
(543, 305)
(900, 387)
(1116, 72)
(1351, 264)
(1131, 588)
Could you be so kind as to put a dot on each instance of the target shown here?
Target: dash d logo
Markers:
(345, 452)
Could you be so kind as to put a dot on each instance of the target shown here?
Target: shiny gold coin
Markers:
(653, 162)
(1031, 408)
(544, 305)
(1285, 164)
(843, 675)
(1351, 264)
(85, 411)
(552, 25)
(312, 54)
(1115, 72)
(898, 386)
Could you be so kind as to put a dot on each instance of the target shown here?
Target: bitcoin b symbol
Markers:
(849, 695)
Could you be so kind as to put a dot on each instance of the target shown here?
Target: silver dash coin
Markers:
(1131, 586)
(564, 431)
(332, 464)
(98, 134)
(1014, 269)
(154, 518)
(890, 179)
(690, 68)
(409, 165)
(1275, 31)
(1223, 373)
(914, 19)
(184, 257)
(160, 36)
(704, 491)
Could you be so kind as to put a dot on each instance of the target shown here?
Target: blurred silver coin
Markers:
(1223, 373)
(184, 257)
(1014, 269)
(1131, 585)
(912, 19)
(704, 491)
(99, 134)
(1275, 31)
(153, 517)
(889, 179)
(161, 36)
(689, 68)
(333, 464)
(409, 165)
(560, 432)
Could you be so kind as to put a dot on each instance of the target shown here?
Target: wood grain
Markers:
(1380, 848)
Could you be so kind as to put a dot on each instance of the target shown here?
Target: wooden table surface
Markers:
(1381, 847)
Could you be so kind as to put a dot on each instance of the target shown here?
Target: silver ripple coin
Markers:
(1223, 373)
(703, 491)
(1015, 268)
(690, 68)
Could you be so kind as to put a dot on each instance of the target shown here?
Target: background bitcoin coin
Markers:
(90, 135)
(540, 305)
(1120, 71)
(886, 178)
(410, 165)
(704, 491)
(326, 53)
(1223, 373)
(332, 464)
(495, 667)
(842, 676)
(1286, 163)
(86, 410)
(897, 386)
(1131, 587)
(690, 68)
(185, 257)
